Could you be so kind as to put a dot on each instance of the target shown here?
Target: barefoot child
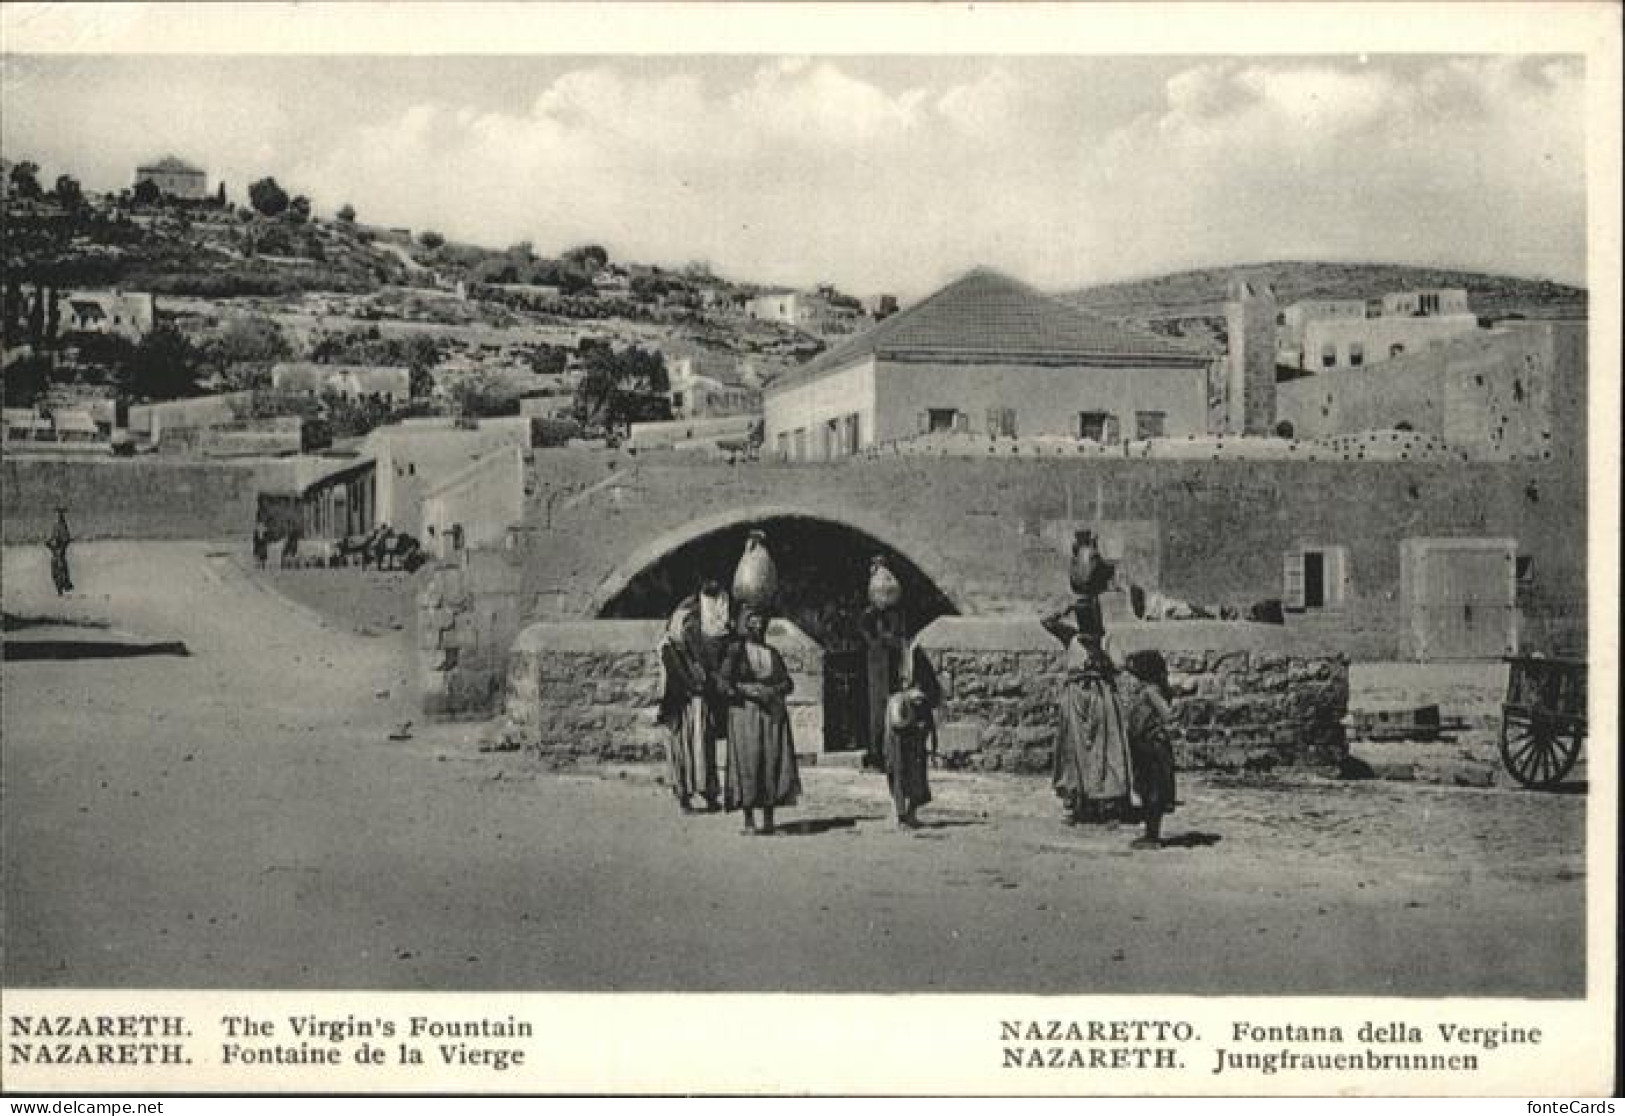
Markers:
(1146, 715)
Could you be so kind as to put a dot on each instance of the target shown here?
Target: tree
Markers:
(26, 379)
(25, 180)
(146, 193)
(220, 196)
(36, 319)
(163, 366)
(53, 315)
(588, 257)
(299, 210)
(247, 340)
(617, 388)
(267, 197)
(346, 213)
(68, 193)
(431, 240)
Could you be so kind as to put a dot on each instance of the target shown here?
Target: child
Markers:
(1146, 716)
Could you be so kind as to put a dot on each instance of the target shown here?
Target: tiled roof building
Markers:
(988, 355)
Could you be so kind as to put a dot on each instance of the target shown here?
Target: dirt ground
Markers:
(239, 817)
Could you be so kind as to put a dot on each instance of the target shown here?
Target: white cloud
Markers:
(800, 170)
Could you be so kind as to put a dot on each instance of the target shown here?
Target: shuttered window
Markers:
(1314, 577)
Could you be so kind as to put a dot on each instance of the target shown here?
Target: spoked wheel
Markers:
(1538, 750)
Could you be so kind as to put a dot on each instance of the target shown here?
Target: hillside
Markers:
(1191, 303)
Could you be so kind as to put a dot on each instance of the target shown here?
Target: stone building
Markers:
(711, 386)
(384, 383)
(987, 355)
(418, 456)
(1328, 334)
(174, 178)
(114, 313)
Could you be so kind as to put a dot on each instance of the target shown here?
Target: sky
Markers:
(878, 173)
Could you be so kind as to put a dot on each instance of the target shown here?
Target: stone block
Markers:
(959, 738)
(1187, 662)
(1228, 662)
(1009, 685)
(1263, 661)
(1035, 734)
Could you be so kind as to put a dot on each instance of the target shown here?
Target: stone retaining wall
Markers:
(468, 617)
(588, 690)
(1245, 695)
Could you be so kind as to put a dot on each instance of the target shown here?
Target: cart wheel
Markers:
(1539, 751)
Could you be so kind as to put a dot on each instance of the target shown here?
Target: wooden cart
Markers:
(1544, 719)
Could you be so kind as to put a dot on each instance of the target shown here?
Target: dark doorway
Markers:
(1314, 579)
(823, 569)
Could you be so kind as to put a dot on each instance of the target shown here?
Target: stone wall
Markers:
(589, 690)
(127, 498)
(1245, 695)
(467, 619)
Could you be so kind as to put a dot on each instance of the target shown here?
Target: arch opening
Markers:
(823, 568)
(823, 571)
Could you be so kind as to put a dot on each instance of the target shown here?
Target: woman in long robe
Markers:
(762, 771)
(910, 732)
(885, 640)
(1091, 757)
(690, 750)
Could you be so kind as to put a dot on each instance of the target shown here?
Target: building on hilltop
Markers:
(130, 316)
(988, 355)
(174, 178)
(1325, 334)
(821, 312)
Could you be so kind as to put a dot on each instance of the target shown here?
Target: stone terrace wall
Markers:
(1246, 695)
(125, 498)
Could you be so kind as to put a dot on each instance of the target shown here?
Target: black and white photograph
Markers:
(918, 518)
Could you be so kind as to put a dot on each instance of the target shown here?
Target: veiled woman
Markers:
(762, 772)
(691, 747)
(1092, 772)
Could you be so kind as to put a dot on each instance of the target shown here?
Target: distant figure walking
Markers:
(691, 747)
(1143, 688)
(262, 543)
(57, 543)
(762, 771)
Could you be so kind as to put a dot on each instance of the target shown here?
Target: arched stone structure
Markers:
(823, 564)
(649, 583)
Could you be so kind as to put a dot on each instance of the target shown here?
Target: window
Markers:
(1328, 355)
(783, 443)
(1524, 567)
(832, 439)
(798, 444)
(1098, 426)
(1001, 422)
(1395, 350)
(1315, 578)
(849, 429)
(1356, 354)
(1150, 424)
(941, 418)
(677, 401)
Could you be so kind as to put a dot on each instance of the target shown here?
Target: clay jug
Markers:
(1089, 573)
(884, 589)
(756, 582)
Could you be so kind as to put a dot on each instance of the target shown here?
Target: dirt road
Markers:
(238, 818)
